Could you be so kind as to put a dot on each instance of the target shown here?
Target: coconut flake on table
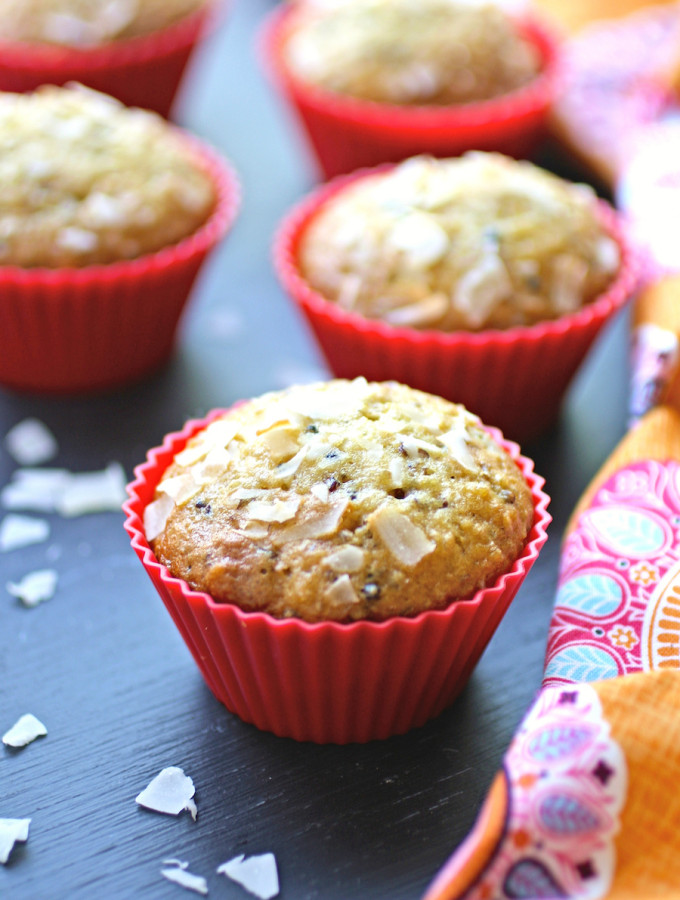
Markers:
(90, 492)
(11, 831)
(31, 443)
(170, 792)
(24, 731)
(37, 490)
(406, 542)
(176, 871)
(257, 874)
(21, 531)
(35, 587)
(67, 493)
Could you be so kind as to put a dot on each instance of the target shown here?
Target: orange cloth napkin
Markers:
(587, 804)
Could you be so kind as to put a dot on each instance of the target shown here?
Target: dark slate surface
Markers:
(103, 667)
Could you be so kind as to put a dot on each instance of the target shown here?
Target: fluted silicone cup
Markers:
(347, 133)
(329, 682)
(142, 71)
(514, 379)
(79, 330)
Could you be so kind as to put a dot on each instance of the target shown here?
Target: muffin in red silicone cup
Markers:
(106, 216)
(135, 52)
(375, 81)
(337, 555)
(482, 279)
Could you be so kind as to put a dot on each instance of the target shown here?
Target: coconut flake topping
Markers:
(405, 541)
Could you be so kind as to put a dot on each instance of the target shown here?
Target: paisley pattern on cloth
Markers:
(617, 609)
(566, 781)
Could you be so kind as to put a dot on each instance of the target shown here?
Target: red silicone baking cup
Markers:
(98, 327)
(142, 71)
(329, 682)
(514, 379)
(346, 133)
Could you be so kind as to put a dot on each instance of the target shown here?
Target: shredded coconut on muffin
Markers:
(84, 180)
(341, 501)
(410, 51)
(473, 243)
(88, 22)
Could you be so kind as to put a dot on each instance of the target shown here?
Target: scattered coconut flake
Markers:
(318, 523)
(180, 487)
(156, 516)
(176, 871)
(413, 445)
(257, 874)
(346, 559)
(24, 731)
(20, 531)
(11, 831)
(67, 493)
(273, 510)
(455, 442)
(90, 492)
(288, 469)
(34, 588)
(38, 490)
(170, 792)
(405, 541)
(31, 443)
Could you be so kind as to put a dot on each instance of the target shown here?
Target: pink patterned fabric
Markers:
(617, 609)
(567, 781)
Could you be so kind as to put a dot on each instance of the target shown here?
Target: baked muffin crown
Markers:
(471, 243)
(429, 52)
(341, 501)
(86, 180)
(84, 23)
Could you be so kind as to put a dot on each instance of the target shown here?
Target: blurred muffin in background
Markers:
(106, 215)
(135, 50)
(85, 180)
(380, 80)
(477, 242)
(405, 52)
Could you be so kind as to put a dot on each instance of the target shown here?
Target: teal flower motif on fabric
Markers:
(581, 663)
(593, 594)
(628, 532)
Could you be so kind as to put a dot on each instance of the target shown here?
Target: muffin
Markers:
(380, 80)
(341, 501)
(337, 556)
(436, 52)
(105, 215)
(79, 23)
(462, 277)
(471, 243)
(136, 51)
